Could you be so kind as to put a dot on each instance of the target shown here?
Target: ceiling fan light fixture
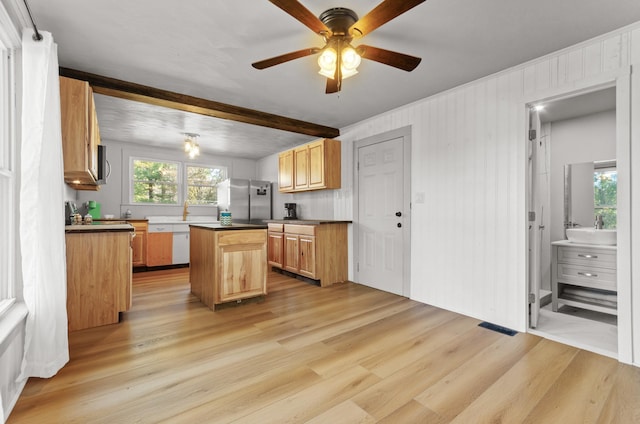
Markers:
(327, 62)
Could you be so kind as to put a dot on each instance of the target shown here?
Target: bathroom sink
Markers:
(592, 236)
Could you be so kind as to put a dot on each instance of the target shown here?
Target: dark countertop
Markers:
(232, 227)
(306, 221)
(98, 227)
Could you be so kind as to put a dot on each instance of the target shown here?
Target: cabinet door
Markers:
(307, 257)
(291, 252)
(316, 164)
(159, 249)
(242, 271)
(301, 168)
(285, 171)
(275, 248)
(138, 245)
(94, 136)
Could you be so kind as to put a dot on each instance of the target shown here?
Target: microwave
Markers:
(104, 168)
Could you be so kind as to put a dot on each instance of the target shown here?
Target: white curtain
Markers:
(42, 239)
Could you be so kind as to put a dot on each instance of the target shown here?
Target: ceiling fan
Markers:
(338, 26)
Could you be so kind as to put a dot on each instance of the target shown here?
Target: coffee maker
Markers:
(290, 211)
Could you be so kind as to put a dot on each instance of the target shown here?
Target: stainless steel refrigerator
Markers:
(249, 201)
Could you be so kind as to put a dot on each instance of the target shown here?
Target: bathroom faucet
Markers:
(599, 222)
(185, 211)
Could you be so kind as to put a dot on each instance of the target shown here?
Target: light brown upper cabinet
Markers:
(80, 134)
(312, 166)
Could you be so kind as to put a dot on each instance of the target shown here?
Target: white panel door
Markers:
(381, 216)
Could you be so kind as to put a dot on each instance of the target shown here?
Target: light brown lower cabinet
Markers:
(227, 265)
(159, 249)
(139, 243)
(98, 277)
(317, 251)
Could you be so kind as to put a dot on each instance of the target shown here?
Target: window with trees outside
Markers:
(202, 183)
(161, 182)
(605, 194)
(155, 182)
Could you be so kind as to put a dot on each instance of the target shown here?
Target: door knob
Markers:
(398, 213)
(399, 225)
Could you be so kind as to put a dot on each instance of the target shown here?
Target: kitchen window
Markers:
(155, 182)
(162, 182)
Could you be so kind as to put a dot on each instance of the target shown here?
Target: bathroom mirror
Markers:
(590, 189)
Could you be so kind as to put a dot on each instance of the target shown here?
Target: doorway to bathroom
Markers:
(572, 180)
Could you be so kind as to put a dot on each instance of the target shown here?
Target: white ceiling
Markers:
(204, 48)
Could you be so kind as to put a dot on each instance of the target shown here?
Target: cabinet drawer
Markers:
(308, 230)
(241, 237)
(275, 227)
(587, 256)
(587, 276)
(160, 228)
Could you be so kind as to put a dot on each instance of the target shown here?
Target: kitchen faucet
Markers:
(185, 211)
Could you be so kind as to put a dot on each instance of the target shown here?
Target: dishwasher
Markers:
(180, 244)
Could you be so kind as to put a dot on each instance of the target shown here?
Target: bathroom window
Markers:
(605, 193)
(202, 184)
(155, 182)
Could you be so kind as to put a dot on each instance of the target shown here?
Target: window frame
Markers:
(10, 44)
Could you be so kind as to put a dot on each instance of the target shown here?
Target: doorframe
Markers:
(405, 134)
(621, 80)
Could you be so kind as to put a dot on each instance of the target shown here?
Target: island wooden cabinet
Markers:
(317, 251)
(312, 166)
(80, 134)
(227, 265)
(98, 277)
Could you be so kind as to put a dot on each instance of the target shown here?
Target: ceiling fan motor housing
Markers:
(339, 19)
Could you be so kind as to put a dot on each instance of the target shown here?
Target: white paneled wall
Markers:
(469, 158)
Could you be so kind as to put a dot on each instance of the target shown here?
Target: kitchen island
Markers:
(98, 273)
(228, 264)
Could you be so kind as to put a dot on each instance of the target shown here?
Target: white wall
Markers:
(114, 196)
(468, 250)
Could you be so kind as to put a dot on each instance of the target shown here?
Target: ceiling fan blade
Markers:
(332, 86)
(388, 57)
(302, 14)
(381, 14)
(285, 58)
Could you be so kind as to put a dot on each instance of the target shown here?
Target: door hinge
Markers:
(532, 298)
(358, 266)
(532, 135)
(532, 216)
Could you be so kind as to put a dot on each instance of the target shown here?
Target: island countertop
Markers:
(97, 227)
(307, 221)
(232, 227)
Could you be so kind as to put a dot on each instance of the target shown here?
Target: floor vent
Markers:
(503, 330)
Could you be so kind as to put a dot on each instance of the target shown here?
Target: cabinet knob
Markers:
(398, 214)
(399, 225)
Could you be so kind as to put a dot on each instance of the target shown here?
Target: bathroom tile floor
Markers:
(588, 330)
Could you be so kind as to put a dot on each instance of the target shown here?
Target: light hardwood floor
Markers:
(340, 354)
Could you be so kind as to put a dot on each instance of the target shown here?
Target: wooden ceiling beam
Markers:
(155, 96)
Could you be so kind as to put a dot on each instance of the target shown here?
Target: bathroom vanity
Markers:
(584, 276)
